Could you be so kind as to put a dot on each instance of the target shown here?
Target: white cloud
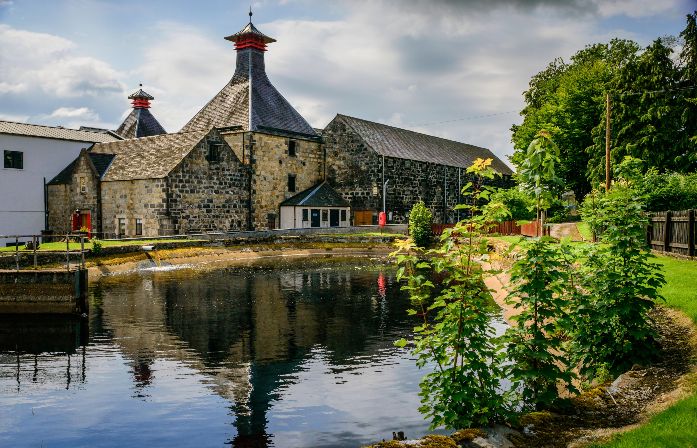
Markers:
(48, 64)
(74, 113)
(13, 117)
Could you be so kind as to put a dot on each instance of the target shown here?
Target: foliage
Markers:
(455, 333)
(568, 99)
(420, 220)
(621, 286)
(542, 279)
(96, 246)
(536, 173)
(519, 204)
(653, 113)
(668, 191)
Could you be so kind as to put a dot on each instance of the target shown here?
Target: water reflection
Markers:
(251, 358)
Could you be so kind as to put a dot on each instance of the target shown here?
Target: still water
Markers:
(253, 357)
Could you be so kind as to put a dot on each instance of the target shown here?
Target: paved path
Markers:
(565, 230)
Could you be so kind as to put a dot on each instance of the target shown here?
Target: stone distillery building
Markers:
(247, 158)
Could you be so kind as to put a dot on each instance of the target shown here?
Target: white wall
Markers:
(22, 191)
(287, 221)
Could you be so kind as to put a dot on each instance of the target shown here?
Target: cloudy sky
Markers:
(450, 68)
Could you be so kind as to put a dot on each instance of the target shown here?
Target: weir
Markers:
(43, 291)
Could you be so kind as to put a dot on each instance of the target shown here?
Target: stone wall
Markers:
(135, 199)
(209, 196)
(64, 199)
(270, 166)
(356, 171)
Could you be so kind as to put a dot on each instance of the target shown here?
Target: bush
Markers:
(668, 191)
(520, 205)
(620, 283)
(420, 220)
(96, 246)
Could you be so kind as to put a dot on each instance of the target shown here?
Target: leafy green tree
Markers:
(688, 78)
(519, 204)
(537, 172)
(455, 333)
(542, 285)
(613, 328)
(420, 221)
(568, 99)
(645, 115)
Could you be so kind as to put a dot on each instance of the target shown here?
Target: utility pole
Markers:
(607, 142)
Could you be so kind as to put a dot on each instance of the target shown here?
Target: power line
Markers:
(472, 117)
(642, 92)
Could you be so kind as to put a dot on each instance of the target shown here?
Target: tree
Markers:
(420, 220)
(645, 115)
(537, 172)
(455, 333)
(688, 80)
(568, 100)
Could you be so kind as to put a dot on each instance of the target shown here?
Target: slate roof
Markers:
(100, 161)
(320, 195)
(140, 123)
(148, 157)
(247, 30)
(269, 110)
(400, 143)
(55, 132)
(140, 94)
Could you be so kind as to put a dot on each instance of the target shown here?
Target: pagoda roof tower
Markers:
(140, 122)
(249, 101)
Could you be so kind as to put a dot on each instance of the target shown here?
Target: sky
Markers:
(455, 69)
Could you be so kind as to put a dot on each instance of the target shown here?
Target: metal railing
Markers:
(35, 244)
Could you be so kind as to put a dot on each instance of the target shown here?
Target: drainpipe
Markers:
(384, 195)
(459, 191)
(445, 193)
(250, 173)
(383, 183)
(45, 205)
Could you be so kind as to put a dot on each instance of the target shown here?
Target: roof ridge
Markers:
(310, 194)
(158, 135)
(409, 130)
(50, 127)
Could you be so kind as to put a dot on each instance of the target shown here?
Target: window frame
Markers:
(293, 178)
(292, 148)
(121, 223)
(139, 226)
(14, 158)
(306, 214)
(324, 215)
(214, 152)
(343, 215)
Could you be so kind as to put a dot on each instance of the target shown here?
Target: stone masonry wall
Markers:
(64, 199)
(271, 165)
(132, 199)
(356, 171)
(209, 196)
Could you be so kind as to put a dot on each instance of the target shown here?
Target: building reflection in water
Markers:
(247, 332)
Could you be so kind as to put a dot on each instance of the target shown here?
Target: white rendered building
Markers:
(32, 155)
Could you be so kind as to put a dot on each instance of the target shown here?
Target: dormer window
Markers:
(214, 153)
(292, 146)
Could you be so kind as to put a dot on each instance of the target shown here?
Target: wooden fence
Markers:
(673, 232)
(502, 228)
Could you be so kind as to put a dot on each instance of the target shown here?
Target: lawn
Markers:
(677, 426)
(60, 246)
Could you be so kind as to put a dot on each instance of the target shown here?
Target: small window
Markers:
(305, 214)
(139, 226)
(14, 160)
(291, 183)
(214, 152)
(325, 215)
(343, 215)
(83, 184)
(122, 227)
(292, 146)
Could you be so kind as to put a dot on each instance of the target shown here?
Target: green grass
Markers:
(585, 230)
(676, 426)
(58, 246)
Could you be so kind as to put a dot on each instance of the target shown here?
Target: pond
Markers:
(249, 357)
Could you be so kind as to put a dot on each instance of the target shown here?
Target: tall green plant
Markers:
(542, 286)
(537, 174)
(420, 220)
(621, 284)
(455, 333)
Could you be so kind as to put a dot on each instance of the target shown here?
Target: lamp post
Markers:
(384, 193)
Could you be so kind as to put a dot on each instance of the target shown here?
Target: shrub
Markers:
(96, 246)
(621, 284)
(520, 204)
(455, 330)
(420, 220)
(541, 281)
(668, 191)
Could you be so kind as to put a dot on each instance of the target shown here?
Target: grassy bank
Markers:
(677, 426)
(60, 246)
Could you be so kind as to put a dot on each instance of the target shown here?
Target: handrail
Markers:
(35, 239)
